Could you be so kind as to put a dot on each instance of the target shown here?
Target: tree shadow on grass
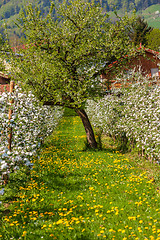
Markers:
(63, 182)
(37, 236)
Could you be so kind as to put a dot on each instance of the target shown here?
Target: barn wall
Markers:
(146, 62)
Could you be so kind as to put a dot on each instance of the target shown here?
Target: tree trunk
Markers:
(88, 128)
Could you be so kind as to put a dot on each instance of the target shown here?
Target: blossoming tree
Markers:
(64, 55)
(30, 123)
(131, 116)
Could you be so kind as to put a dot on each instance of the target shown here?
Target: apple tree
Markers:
(65, 52)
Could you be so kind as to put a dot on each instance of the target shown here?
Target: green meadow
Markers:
(72, 193)
(150, 15)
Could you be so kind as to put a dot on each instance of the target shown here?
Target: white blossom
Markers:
(30, 122)
(134, 113)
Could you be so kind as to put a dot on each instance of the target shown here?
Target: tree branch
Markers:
(74, 22)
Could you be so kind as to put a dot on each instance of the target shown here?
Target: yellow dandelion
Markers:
(24, 233)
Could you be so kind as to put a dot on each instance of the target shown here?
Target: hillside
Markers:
(152, 15)
(9, 10)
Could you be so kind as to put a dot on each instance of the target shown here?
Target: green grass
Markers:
(149, 15)
(82, 195)
(152, 9)
(152, 18)
(68, 112)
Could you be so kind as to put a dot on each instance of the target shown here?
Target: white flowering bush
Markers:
(132, 115)
(30, 123)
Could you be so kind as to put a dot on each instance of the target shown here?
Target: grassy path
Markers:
(83, 195)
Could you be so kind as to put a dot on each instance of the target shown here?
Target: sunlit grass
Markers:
(76, 194)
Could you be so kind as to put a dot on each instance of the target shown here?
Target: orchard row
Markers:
(30, 123)
(131, 115)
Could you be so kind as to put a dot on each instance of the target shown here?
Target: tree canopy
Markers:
(62, 58)
(153, 39)
(2, 49)
(139, 31)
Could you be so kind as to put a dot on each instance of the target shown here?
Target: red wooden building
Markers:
(148, 61)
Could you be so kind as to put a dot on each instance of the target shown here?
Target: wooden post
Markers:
(10, 116)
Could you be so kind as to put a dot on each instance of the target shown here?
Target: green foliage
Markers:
(9, 10)
(1, 40)
(68, 112)
(153, 40)
(151, 16)
(64, 56)
(2, 47)
(139, 31)
(72, 194)
(16, 179)
(11, 7)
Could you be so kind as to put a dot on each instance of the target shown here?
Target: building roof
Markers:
(137, 52)
(152, 51)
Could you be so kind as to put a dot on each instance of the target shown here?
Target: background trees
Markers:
(2, 47)
(139, 31)
(153, 39)
(63, 57)
(9, 10)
